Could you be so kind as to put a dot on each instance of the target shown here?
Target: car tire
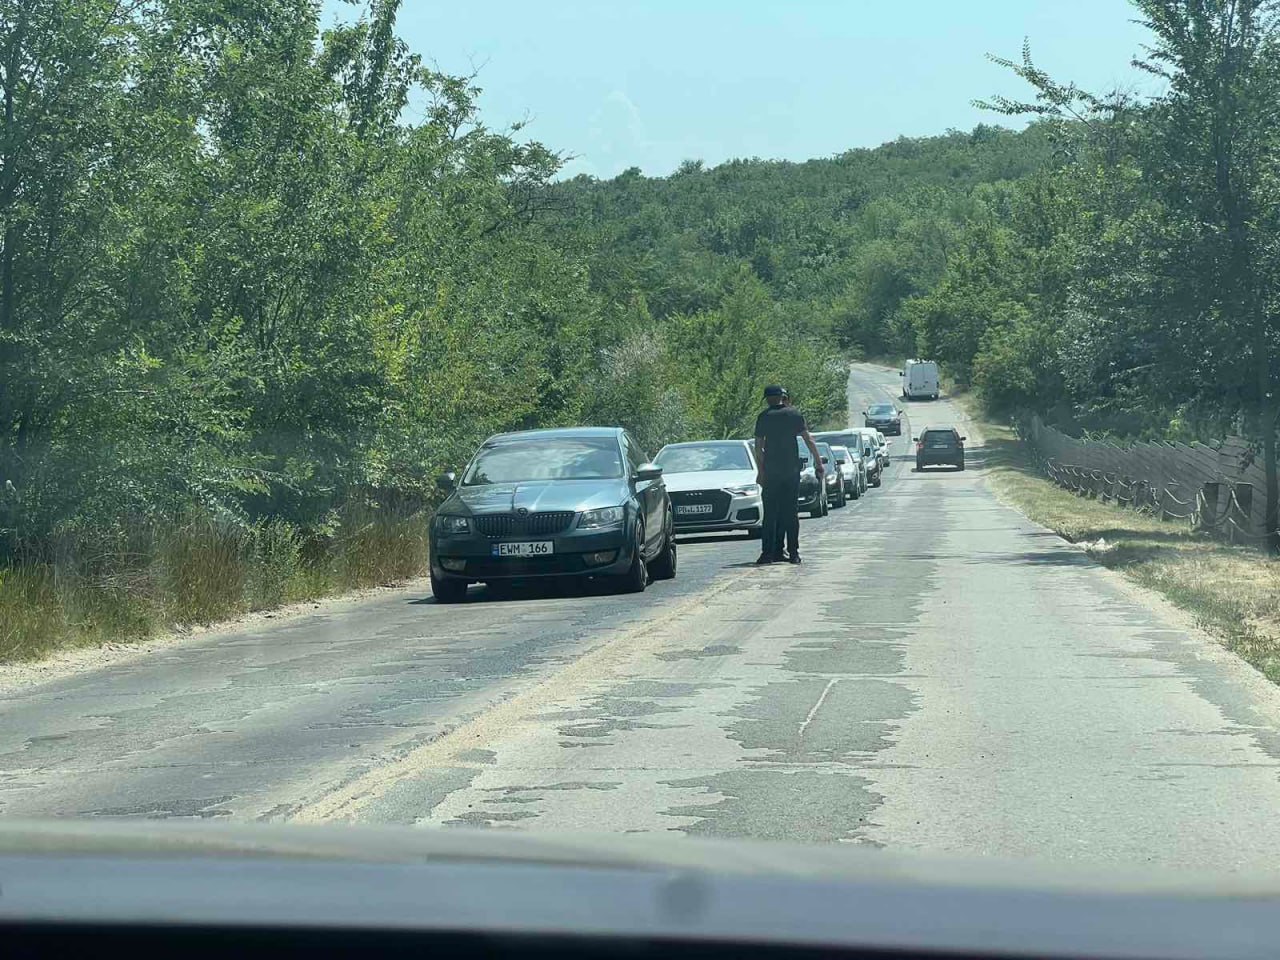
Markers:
(876, 481)
(664, 565)
(856, 492)
(960, 465)
(637, 576)
(448, 591)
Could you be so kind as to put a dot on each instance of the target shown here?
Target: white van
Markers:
(920, 380)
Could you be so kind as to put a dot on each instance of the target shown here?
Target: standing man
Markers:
(778, 472)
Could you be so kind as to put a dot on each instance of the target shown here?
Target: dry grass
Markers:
(1231, 591)
(198, 572)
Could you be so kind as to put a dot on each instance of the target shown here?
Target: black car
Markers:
(884, 417)
(813, 498)
(940, 446)
(832, 478)
(581, 502)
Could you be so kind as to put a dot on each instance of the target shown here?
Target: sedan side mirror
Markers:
(647, 471)
(447, 481)
(901, 374)
(864, 413)
(963, 439)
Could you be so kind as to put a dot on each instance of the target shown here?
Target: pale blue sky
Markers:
(650, 83)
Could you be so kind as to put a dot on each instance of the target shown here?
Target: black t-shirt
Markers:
(780, 426)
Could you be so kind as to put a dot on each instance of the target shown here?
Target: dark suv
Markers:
(940, 446)
(884, 417)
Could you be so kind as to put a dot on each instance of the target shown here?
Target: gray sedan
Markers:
(581, 502)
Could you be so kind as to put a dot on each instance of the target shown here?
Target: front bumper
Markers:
(741, 512)
(473, 558)
(810, 495)
(888, 428)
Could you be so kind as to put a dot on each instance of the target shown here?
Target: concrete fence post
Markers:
(1209, 512)
(1243, 509)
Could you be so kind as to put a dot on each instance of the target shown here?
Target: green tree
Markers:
(1193, 264)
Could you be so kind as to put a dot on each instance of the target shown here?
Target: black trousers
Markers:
(781, 519)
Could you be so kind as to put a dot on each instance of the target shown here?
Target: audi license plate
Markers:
(691, 509)
(535, 548)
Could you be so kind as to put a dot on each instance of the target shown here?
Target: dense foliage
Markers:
(237, 282)
(245, 292)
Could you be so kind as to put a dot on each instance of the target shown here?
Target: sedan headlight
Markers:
(604, 517)
(454, 526)
(744, 490)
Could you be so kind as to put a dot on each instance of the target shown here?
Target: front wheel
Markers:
(856, 492)
(664, 566)
(637, 576)
(876, 481)
(448, 591)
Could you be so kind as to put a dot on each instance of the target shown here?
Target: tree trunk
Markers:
(9, 190)
(1271, 523)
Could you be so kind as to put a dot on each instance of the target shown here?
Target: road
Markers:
(940, 675)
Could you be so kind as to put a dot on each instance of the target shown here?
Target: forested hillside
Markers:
(250, 305)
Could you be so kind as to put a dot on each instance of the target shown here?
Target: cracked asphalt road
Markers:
(941, 675)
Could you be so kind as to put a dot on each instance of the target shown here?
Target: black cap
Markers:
(774, 390)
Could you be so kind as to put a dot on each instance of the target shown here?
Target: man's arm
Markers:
(760, 460)
(818, 468)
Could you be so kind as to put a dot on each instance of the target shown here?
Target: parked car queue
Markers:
(588, 503)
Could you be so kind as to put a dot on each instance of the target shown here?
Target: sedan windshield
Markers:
(881, 410)
(558, 458)
(695, 458)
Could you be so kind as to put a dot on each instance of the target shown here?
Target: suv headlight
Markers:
(744, 490)
(604, 517)
(453, 525)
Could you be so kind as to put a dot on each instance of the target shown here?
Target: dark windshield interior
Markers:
(881, 409)
(549, 458)
(706, 456)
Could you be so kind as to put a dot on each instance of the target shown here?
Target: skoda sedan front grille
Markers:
(529, 525)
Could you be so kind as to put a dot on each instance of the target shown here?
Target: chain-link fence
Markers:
(1218, 489)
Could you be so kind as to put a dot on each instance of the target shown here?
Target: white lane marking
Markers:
(812, 713)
